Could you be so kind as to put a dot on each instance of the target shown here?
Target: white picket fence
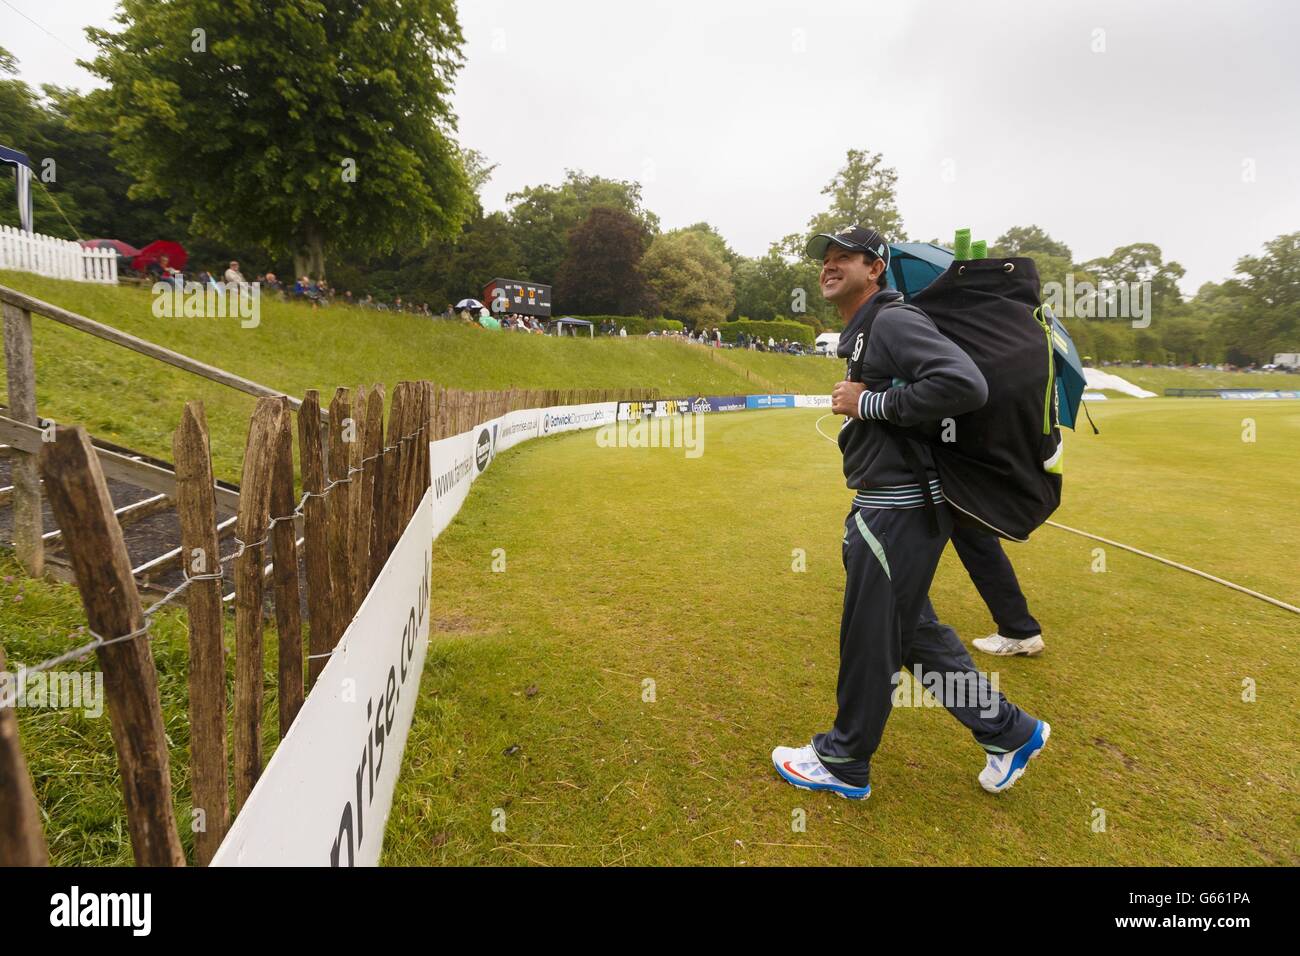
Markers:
(57, 258)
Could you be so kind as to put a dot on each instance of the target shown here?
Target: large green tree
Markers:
(301, 125)
(599, 274)
(1258, 314)
(26, 124)
(1274, 278)
(776, 286)
(1030, 241)
(543, 215)
(1053, 259)
(1143, 262)
(441, 272)
(78, 192)
(688, 279)
(863, 191)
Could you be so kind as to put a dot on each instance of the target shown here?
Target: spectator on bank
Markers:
(161, 270)
(317, 292)
(233, 275)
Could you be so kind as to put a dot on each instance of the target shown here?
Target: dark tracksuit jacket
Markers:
(915, 376)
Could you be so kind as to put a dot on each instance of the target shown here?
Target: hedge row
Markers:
(634, 324)
(777, 329)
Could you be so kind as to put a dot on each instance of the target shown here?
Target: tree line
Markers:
(313, 139)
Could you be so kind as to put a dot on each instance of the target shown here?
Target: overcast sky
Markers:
(1105, 123)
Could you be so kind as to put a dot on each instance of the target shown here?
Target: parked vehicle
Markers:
(827, 343)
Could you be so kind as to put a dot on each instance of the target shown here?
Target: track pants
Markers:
(890, 556)
(990, 569)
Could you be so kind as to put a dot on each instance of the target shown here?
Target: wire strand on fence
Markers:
(101, 641)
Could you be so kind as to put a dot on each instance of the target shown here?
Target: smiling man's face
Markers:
(847, 276)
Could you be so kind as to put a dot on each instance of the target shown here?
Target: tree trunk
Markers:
(316, 253)
(309, 260)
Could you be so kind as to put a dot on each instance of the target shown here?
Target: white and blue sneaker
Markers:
(1003, 770)
(802, 767)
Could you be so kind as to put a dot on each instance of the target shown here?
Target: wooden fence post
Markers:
(22, 842)
(411, 455)
(20, 365)
(379, 505)
(422, 442)
(395, 467)
(356, 451)
(370, 412)
(78, 495)
(342, 426)
(316, 532)
(284, 543)
(254, 502)
(197, 508)
(451, 413)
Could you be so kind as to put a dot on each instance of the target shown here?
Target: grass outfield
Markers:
(643, 595)
(70, 753)
(137, 401)
(680, 572)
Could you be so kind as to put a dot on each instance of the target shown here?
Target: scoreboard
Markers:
(523, 298)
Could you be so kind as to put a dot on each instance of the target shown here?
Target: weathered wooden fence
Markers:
(361, 479)
(360, 487)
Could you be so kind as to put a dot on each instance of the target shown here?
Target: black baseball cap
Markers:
(854, 238)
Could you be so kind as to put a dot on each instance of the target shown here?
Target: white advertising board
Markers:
(324, 797)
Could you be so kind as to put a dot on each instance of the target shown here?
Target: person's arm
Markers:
(940, 379)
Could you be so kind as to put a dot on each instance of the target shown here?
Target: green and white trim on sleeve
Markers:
(871, 406)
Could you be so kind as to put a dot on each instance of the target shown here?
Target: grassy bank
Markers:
(136, 401)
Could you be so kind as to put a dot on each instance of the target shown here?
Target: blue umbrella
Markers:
(914, 265)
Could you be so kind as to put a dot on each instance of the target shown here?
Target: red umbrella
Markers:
(174, 251)
(123, 248)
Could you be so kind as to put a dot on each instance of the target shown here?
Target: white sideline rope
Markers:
(818, 426)
(1138, 551)
(1181, 567)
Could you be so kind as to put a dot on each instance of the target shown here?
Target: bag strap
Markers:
(854, 372)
